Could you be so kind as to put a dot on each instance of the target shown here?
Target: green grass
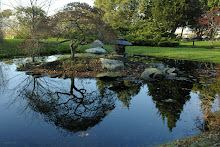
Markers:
(201, 51)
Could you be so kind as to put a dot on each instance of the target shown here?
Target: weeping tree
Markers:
(80, 23)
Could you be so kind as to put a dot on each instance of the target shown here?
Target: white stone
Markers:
(97, 50)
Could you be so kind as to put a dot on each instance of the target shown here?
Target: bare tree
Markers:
(31, 17)
(1, 33)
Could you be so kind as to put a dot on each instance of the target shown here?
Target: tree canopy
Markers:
(80, 23)
(176, 13)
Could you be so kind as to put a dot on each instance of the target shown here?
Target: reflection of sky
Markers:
(140, 125)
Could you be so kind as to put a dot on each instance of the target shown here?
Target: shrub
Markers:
(147, 33)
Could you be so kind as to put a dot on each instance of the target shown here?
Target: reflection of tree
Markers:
(76, 110)
(208, 86)
(125, 90)
(3, 80)
(169, 97)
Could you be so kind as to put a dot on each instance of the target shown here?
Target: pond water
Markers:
(89, 112)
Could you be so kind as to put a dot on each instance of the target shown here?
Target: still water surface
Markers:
(89, 112)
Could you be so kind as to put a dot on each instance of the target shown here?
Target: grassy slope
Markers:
(200, 52)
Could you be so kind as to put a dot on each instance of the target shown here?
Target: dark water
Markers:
(90, 112)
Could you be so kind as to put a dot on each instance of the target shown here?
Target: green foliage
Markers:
(176, 13)
(147, 33)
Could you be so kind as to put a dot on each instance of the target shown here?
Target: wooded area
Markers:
(141, 22)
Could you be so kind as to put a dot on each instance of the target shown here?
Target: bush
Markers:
(167, 42)
(147, 33)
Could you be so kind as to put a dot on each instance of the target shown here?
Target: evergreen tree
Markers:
(176, 13)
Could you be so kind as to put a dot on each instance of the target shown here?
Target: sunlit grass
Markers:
(201, 50)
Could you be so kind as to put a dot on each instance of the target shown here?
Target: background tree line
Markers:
(153, 22)
(142, 22)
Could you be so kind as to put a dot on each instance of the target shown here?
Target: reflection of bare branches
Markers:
(71, 110)
(3, 80)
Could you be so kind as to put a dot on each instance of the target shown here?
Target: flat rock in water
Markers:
(110, 75)
(97, 50)
(112, 64)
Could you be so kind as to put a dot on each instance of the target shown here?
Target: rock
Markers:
(149, 72)
(172, 74)
(112, 64)
(171, 70)
(157, 65)
(97, 50)
(182, 79)
(180, 73)
(110, 75)
(97, 44)
(165, 70)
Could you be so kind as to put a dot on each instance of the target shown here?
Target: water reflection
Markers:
(125, 90)
(3, 76)
(170, 97)
(75, 110)
(75, 105)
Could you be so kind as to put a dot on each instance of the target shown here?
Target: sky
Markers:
(55, 6)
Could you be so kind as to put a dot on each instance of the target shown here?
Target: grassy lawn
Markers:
(201, 51)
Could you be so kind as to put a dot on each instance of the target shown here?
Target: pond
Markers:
(90, 112)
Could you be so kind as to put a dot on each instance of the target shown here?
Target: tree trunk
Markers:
(182, 32)
(212, 37)
(73, 50)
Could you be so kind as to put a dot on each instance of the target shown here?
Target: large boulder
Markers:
(97, 50)
(97, 44)
(112, 64)
(149, 73)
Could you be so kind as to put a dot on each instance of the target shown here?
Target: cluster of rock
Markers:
(160, 71)
(154, 70)
(112, 64)
(97, 47)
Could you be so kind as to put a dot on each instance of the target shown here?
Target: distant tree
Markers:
(208, 5)
(79, 22)
(120, 14)
(1, 33)
(6, 22)
(175, 13)
(30, 21)
(210, 21)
